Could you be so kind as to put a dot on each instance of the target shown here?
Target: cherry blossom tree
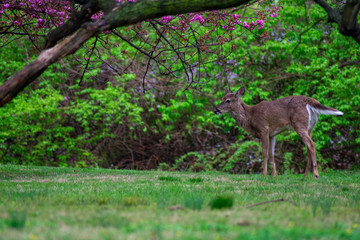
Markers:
(59, 28)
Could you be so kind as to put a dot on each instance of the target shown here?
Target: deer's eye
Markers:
(228, 101)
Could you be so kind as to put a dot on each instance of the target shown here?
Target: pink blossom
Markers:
(260, 23)
(246, 25)
(235, 16)
(166, 19)
(273, 15)
(197, 17)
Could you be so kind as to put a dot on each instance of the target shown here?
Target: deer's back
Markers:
(282, 113)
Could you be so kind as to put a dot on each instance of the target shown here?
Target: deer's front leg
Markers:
(265, 151)
(271, 155)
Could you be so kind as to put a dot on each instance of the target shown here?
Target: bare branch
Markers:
(317, 22)
(88, 60)
(174, 49)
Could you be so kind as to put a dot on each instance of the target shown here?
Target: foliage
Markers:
(49, 203)
(124, 113)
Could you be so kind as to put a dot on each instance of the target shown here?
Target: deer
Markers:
(267, 119)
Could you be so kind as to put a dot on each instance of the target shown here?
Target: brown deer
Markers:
(269, 118)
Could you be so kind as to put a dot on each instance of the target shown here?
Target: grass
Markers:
(66, 203)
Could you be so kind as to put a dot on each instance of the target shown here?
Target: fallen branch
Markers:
(271, 201)
(344, 64)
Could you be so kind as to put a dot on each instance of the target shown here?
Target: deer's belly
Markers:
(278, 130)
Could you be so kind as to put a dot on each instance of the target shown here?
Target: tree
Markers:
(67, 37)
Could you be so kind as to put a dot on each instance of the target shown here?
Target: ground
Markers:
(68, 203)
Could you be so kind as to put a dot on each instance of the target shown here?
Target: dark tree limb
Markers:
(345, 17)
(348, 25)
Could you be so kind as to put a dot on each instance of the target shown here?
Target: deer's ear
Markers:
(226, 91)
(240, 92)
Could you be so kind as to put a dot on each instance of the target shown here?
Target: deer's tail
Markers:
(321, 109)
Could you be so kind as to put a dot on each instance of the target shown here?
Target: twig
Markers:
(142, 51)
(306, 32)
(271, 201)
(87, 63)
(174, 49)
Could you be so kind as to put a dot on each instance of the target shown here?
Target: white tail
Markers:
(324, 111)
(267, 119)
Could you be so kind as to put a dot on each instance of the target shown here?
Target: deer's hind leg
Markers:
(311, 152)
(308, 163)
(313, 118)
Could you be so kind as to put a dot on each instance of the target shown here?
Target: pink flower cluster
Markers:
(273, 12)
(39, 12)
(166, 19)
(122, 1)
(197, 17)
(235, 21)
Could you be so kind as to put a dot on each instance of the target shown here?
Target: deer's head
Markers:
(229, 101)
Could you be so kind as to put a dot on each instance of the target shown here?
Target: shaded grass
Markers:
(60, 203)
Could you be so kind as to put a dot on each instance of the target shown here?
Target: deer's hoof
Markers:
(316, 176)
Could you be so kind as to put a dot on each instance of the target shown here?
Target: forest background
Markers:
(109, 106)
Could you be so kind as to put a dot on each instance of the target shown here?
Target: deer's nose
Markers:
(217, 111)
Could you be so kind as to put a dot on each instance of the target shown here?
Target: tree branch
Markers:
(306, 32)
(333, 14)
(72, 25)
(15, 84)
(88, 60)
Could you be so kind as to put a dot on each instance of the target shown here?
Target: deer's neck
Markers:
(242, 116)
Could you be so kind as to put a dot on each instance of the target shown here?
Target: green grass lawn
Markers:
(68, 203)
